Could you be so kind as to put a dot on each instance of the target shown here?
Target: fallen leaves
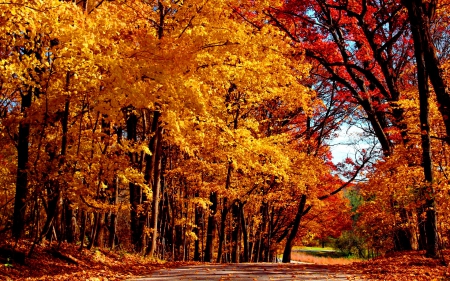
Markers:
(105, 265)
(95, 265)
(401, 266)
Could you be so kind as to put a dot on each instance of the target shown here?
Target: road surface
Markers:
(247, 272)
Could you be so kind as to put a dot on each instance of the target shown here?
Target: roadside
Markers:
(107, 265)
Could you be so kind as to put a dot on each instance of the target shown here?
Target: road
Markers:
(247, 272)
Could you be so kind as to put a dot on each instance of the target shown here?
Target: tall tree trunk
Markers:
(294, 230)
(419, 24)
(68, 212)
(153, 176)
(135, 190)
(99, 237)
(245, 257)
(402, 238)
(420, 13)
(22, 174)
(224, 213)
(82, 229)
(210, 232)
(223, 219)
(113, 224)
(69, 222)
(197, 222)
(236, 231)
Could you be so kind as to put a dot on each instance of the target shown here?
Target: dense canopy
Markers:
(205, 130)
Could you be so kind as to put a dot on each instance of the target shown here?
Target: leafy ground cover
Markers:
(402, 266)
(94, 265)
(108, 265)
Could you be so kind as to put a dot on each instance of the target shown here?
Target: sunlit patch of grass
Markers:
(301, 257)
(319, 249)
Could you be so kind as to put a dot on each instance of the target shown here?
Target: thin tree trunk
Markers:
(94, 229)
(294, 230)
(135, 190)
(22, 174)
(245, 235)
(82, 229)
(210, 232)
(153, 177)
(113, 224)
(236, 231)
(196, 230)
(69, 222)
(223, 219)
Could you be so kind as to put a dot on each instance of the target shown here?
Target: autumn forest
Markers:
(203, 130)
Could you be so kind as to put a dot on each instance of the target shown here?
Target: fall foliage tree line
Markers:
(201, 130)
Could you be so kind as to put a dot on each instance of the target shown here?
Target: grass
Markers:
(302, 257)
(318, 249)
(319, 255)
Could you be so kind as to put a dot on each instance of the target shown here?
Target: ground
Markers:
(49, 262)
(249, 272)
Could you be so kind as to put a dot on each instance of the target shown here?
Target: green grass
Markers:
(319, 255)
(318, 249)
(326, 252)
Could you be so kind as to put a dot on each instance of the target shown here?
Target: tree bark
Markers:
(197, 218)
(236, 232)
(420, 13)
(294, 230)
(22, 173)
(153, 177)
(210, 232)
(245, 235)
(135, 190)
(113, 224)
(419, 29)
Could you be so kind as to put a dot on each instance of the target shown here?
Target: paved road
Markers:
(247, 272)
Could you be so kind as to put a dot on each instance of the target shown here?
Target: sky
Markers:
(347, 143)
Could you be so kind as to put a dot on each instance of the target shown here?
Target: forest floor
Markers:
(67, 263)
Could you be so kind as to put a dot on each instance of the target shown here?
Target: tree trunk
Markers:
(82, 229)
(210, 232)
(245, 257)
(135, 190)
(236, 232)
(402, 238)
(22, 173)
(420, 29)
(294, 230)
(113, 224)
(223, 219)
(69, 222)
(153, 177)
(68, 211)
(99, 237)
(420, 13)
(197, 218)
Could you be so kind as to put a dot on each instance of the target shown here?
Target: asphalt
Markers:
(248, 272)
